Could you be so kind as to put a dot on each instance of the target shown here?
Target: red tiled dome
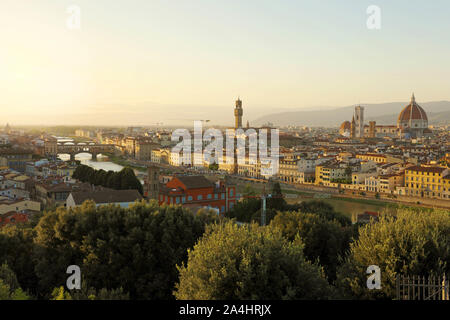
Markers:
(412, 112)
(345, 125)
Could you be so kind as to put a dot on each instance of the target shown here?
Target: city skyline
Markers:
(148, 61)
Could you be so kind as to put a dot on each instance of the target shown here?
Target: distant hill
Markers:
(384, 113)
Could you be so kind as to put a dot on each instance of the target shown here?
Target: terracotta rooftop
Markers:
(412, 111)
(426, 169)
(106, 196)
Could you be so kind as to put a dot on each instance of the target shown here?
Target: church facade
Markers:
(412, 123)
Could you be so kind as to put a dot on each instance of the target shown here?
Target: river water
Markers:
(86, 158)
(101, 163)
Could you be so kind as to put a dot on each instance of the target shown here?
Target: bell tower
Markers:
(238, 114)
(359, 118)
(152, 185)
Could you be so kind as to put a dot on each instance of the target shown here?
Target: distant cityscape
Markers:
(407, 162)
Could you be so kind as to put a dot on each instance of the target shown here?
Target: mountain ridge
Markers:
(438, 112)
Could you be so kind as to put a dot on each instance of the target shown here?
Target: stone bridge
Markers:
(93, 149)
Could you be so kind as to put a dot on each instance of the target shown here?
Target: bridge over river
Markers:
(93, 149)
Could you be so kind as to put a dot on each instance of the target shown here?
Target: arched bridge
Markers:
(93, 149)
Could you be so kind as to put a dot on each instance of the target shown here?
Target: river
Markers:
(86, 158)
(101, 163)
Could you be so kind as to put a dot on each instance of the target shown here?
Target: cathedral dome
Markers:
(412, 112)
(412, 121)
(345, 128)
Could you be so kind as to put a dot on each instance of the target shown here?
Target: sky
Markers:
(146, 61)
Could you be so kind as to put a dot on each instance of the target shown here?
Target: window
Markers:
(183, 199)
(209, 196)
(222, 196)
(189, 198)
(231, 192)
(178, 200)
(199, 197)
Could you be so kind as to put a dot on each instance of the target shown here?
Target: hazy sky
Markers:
(147, 61)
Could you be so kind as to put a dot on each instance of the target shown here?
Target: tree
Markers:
(276, 201)
(6, 293)
(114, 181)
(128, 180)
(122, 180)
(322, 209)
(245, 210)
(213, 166)
(135, 248)
(325, 241)
(16, 250)
(248, 190)
(9, 286)
(89, 293)
(232, 262)
(408, 242)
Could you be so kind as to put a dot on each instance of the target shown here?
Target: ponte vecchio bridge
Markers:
(53, 148)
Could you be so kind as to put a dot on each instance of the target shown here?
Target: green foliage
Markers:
(325, 241)
(249, 262)
(409, 242)
(276, 202)
(322, 209)
(122, 180)
(7, 294)
(213, 166)
(16, 250)
(8, 276)
(60, 294)
(9, 286)
(245, 210)
(136, 248)
(249, 209)
(89, 294)
(248, 190)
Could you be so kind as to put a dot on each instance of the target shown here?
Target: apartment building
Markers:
(197, 192)
(288, 171)
(389, 183)
(426, 181)
(327, 174)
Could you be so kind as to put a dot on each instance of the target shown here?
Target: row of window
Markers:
(422, 173)
(182, 199)
(417, 179)
(432, 194)
(419, 186)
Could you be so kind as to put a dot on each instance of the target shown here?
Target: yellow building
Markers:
(228, 164)
(446, 186)
(65, 171)
(426, 181)
(18, 205)
(329, 174)
(288, 171)
(375, 157)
